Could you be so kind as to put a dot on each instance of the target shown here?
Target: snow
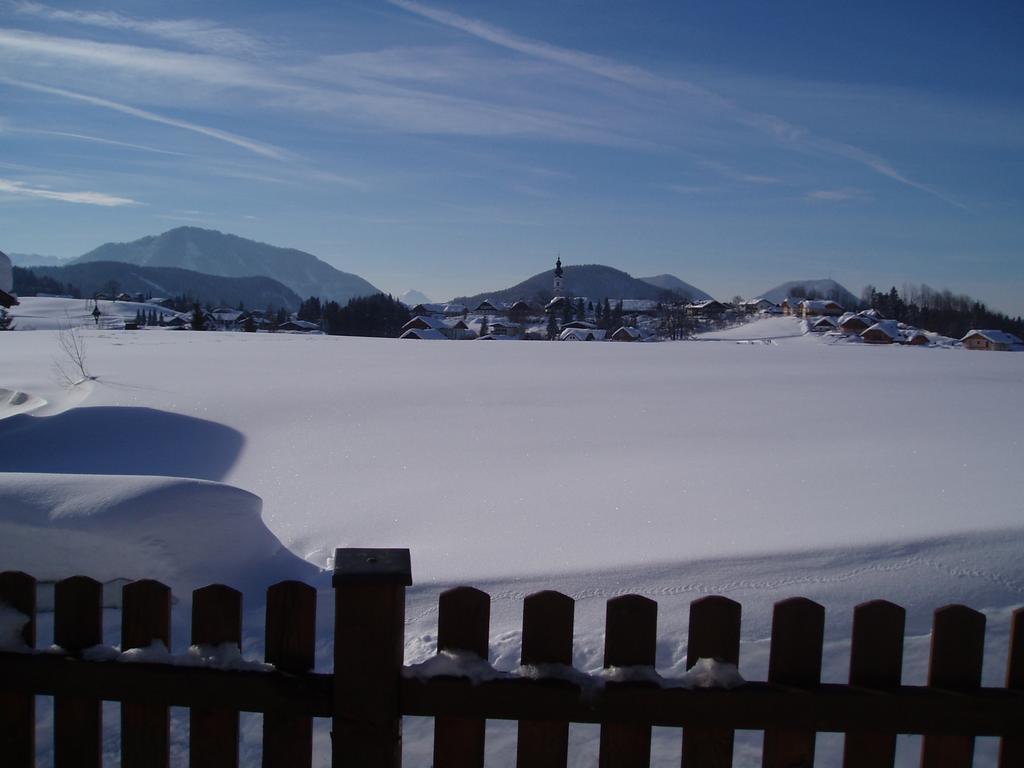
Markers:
(12, 623)
(37, 313)
(674, 470)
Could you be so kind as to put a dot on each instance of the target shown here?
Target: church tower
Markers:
(558, 278)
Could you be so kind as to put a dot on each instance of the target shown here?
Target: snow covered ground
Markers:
(759, 471)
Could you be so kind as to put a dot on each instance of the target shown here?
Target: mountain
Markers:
(821, 289)
(594, 281)
(166, 282)
(412, 297)
(35, 260)
(215, 253)
(674, 284)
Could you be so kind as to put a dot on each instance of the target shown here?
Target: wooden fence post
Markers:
(714, 634)
(213, 733)
(369, 647)
(463, 624)
(291, 647)
(798, 632)
(78, 624)
(958, 648)
(1011, 748)
(145, 728)
(630, 640)
(547, 639)
(876, 661)
(18, 710)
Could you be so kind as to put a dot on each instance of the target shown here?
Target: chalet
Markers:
(7, 300)
(629, 333)
(579, 324)
(706, 308)
(459, 329)
(757, 305)
(788, 306)
(425, 322)
(454, 310)
(178, 321)
(582, 334)
(997, 341)
(815, 308)
(823, 324)
(489, 307)
(556, 305)
(298, 326)
(916, 338)
(855, 324)
(883, 332)
(501, 328)
(426, 310)
(424, 334)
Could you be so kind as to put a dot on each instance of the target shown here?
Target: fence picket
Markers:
(213, 733)
(630, 640)
(876, 661)
(798, 632)
(145, 728)
(547, 639)
(714, 633)
(1011, 748)
(463, 624)
(290, 645)
(958, 647)
(18, 710)
(369, 644)
(78, 624)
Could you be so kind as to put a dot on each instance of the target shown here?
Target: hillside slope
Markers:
(94, 277)
(595, 281)
(674, 284)
(825, 288)
(216, 253)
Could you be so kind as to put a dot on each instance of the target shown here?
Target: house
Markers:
(757, 305)
(915, 338)
(489, 307)
(579, 324)
(788, 306)
(854, 323)
(557, 305)
(629, 333)
(299, 326)
(998, 341)
(582, 334)
(816, 308)
(706, 308)
(424, 334)
(883, 332)
(823, 324)
(427, 309)
(453, 310)
(425, 322)
(501, 328)
(459, 329)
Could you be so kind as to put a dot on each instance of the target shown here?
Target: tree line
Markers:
(943, 312)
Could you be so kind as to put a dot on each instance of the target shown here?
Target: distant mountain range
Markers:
(413, 297)
(215, 253)
(595, 281)
(823, 289)
(165, 282)
(674, 284)
(35, 260)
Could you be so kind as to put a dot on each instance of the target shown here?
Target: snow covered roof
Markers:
(633, 333)
(703, 303)
(824, 321)
(299, 325)
(579, 324)
(425, 320)
(425, 334)
(817, 304)
(889, 327)
(996, 337)
(428, 309)
(489, 306)
(454, 309)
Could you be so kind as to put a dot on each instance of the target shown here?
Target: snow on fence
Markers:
(370, 690)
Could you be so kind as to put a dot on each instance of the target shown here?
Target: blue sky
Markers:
(455, 148)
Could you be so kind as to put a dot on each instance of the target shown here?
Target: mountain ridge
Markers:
(823, 288)
(220, 254)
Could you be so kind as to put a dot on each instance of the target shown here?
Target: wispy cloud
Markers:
(776, 127)
(256, 147)
(835, 195)
(98, 140)
(20, 189)
(736, 175)
(200, 34)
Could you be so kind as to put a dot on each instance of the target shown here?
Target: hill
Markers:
(94, 277)
(595, 281)
(819, 289)
(413, 297)
(35, 260)
(674, 284)
(215, 253)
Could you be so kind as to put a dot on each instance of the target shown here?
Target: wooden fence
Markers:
(367, 695)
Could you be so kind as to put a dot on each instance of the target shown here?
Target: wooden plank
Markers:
(145, 728)
(958, 648)
(369, 645)
(714, 633)
(547, 639)
(290, 646)
(798, 632)
(213, 733)
(876, 661)
(77, 625)
(754, 706)
(463, 625)
(1011, 748)
(18, 710)
(630, 640)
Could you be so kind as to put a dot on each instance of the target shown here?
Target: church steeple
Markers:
(558, 277)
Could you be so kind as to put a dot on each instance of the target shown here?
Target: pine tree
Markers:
(552, 327)
(198, 319)
(250, 325)
(580, 312)
(483, 326)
